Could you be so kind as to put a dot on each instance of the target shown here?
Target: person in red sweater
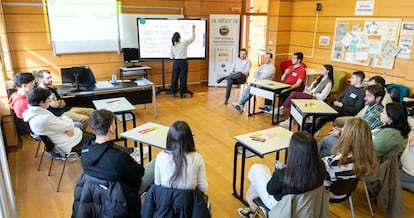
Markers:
(18, 101)
(294, 76)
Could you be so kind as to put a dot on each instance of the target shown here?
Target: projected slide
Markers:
(154, 37)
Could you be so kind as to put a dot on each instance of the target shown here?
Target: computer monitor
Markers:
(77, 76)
(131, 55)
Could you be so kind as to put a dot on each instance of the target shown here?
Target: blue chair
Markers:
(397, 92)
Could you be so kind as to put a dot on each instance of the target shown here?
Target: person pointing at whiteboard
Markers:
(180, 65)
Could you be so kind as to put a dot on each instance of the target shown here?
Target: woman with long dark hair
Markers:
(319, 89)
(304, 171)
(180, 66)
(389, 139)
(180, 166)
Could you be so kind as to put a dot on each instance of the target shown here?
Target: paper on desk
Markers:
(140, 83)
(103, 84)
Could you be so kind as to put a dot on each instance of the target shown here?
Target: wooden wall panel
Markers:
(290, 29)
(331, 8)
(386, 8)
(29, 41)
(302, 31)
(279, 23)
(25, 23)
(211, 7)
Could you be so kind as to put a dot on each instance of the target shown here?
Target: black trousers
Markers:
(179, 71)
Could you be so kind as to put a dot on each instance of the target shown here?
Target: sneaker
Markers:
(72, 158)
(282, 111)
(285, 122)
(136, 154)
(245, 212)
(54, 155)
(226, 102)
(237, 106)
(220, 80)
(266, 109)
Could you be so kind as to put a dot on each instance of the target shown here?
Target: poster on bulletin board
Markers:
(367, 42)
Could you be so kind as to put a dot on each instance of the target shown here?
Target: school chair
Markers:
(49, 147)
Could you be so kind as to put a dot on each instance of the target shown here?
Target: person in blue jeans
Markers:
(266, 71)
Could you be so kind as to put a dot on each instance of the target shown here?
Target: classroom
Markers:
(279, 27)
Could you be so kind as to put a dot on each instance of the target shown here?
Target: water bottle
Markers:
(114, 78)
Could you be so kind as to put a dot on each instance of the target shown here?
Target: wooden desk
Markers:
(136, 93)
(156, 138)
(117, 106)
(304, 108)
(277, 139)
(267, 89)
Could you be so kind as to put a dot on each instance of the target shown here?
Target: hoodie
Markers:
(106, 162)
(18, 103)
(44, 122)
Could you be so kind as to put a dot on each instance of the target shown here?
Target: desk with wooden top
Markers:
(140, 91)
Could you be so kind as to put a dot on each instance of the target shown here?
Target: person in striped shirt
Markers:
(353, 156)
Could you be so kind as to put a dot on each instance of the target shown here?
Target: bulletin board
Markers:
(367, 42)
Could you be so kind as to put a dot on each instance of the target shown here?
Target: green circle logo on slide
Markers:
(142, 20)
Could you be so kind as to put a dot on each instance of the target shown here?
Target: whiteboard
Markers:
(79, 26)
(128, 27)
(154, 37)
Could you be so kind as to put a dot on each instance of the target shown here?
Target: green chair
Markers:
(339, 78)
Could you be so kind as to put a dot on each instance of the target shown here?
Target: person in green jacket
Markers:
(389, 139)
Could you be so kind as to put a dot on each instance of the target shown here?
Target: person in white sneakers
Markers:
(266, 71)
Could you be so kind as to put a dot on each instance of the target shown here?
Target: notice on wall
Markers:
(364, 7)
(406, 39)
(324, 40)
(224, 45)
(405, 45)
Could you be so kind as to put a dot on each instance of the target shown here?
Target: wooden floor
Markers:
(214, 125)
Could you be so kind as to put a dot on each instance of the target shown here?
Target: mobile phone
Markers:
(258, 139)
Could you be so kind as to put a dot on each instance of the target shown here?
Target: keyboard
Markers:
(134, 66)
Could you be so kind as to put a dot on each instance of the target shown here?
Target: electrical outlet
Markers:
(318, 6)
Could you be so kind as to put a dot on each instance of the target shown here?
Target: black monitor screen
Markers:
(131, 55)
(85, 75)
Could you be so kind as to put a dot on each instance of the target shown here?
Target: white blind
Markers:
(81, 26)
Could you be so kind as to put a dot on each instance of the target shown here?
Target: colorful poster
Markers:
(341, 30)
(224, 45)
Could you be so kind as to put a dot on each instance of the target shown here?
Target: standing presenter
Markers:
(180, 66)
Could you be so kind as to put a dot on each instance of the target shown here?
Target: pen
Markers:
(147, 130)
(113, 101)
